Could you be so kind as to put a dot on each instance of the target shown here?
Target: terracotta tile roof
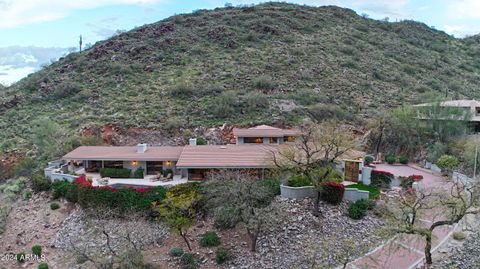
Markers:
(229, 156)
(129, 153)
(264, 131)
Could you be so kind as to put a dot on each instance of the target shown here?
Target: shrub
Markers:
(332, 192)
(138, 173)
(222, 255)
(264, 83)
(37, 250)
(20, 257)
(459, 236)
(115, 172)
(66, 190)
(369, 159)
(272, 184)
(299, 181)
(181, 90)
(407, 182)
(176, 252)
(43, 265)
(210, 239)
(390, 159)
(226, 217)
(188, 259)
(403, 159)
(447, 162)
(201, 141)
(27, 195)
(358, 209)
(54, 206)
(24, 168)
(381, 179)
(40, 183)
(167, 171)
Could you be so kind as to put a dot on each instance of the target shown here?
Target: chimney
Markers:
(141, 148)
(192, 141)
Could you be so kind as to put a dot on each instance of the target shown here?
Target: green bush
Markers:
(358, 209)
(390, 159)
(176, 252)
(21, 257)
(188, 259)
(264, 83)
(139, 173)
(65, 190)
(37, 250)
(167, 171)
(210, 239)
(54, 206)
(24, 167)
(403, 159)
(115, 172)
(40, 183)
(299, 181)
(27, 195)
(369, 159)
(222, 255)
(201, 141)
(272, 184)
(43, 265)
(447, 162)
(332, 192)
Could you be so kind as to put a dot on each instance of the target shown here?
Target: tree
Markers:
(251, 200)
(314, 153)
(448, 205)
(179, 209)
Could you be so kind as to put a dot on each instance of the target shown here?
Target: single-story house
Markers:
(264, 134)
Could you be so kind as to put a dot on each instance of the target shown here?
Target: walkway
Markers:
(405, 251)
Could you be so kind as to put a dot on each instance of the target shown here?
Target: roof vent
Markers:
(223, 147)
(141, 148)
(192, 141)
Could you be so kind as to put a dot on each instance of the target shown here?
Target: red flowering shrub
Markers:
(82, 180)
(407, 182)
(416, 177)
(332, 192)
(381, 179)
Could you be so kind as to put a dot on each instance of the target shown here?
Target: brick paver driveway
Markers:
(405, 251)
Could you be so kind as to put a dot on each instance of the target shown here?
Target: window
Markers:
(273, 140)
(113, 164)
(289, 138)
(253, 140)
(154, 168)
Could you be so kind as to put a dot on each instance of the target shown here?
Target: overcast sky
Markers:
(58, 23)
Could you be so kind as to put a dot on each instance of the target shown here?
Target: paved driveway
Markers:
(405, 251)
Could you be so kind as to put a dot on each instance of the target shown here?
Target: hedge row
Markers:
(115, 172)
(83, 193)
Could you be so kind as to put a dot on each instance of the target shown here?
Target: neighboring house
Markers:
(264, 134)
(466, 110)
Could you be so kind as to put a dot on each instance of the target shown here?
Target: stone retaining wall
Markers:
(297, 192)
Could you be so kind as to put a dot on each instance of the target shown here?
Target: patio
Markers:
(147, 182)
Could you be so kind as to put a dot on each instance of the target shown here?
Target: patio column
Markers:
(103, 164)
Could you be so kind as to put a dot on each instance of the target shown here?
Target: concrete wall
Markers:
(54, 174)
(355, 194)
(433, 167)
(297, 192)
(367, 175)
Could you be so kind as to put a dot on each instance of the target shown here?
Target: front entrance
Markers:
(154, 168)
(352, 170)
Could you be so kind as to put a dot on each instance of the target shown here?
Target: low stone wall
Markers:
(355, 194)
(433, 167)
(297, 192)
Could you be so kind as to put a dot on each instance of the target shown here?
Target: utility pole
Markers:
(80, 43)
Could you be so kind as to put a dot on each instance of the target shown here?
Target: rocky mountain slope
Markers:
(271, 63)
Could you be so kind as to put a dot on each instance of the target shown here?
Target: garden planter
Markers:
(297, 192)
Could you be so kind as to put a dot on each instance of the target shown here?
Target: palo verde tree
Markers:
(179, 209)
(314, 153)
(447, 205)
(250, 200)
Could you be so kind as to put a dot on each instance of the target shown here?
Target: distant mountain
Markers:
(16, 62)
(273, 63)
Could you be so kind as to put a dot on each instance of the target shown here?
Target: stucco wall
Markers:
(297, 192)
(355, 194)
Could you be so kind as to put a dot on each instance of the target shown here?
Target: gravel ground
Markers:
(302, 240)
(462, 256)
